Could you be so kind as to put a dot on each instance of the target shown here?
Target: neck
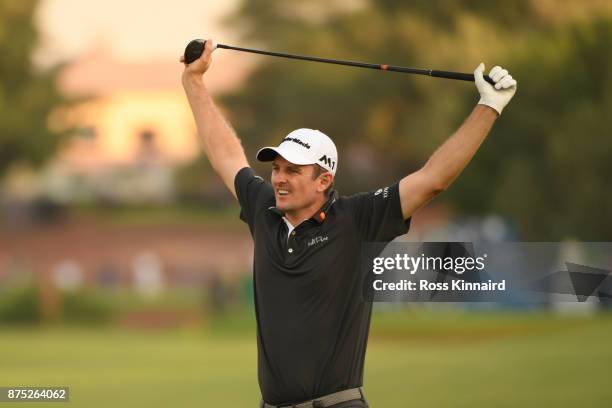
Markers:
(295, 217)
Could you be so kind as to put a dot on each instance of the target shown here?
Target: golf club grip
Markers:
(194, 50)
(459, 76)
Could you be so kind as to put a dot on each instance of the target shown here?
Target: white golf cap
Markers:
(304, 146)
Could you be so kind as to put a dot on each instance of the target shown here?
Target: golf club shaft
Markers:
(383, 67)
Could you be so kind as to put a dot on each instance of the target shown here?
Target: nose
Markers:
(278, 178)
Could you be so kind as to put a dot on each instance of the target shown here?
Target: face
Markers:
(294, 187)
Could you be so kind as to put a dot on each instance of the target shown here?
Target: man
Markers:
(312, 326)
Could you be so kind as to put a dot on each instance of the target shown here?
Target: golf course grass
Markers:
(415, 359)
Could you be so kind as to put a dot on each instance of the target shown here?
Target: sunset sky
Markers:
(134, 30)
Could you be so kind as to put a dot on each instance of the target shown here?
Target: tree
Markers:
(548, 169)
(560, 52)
(27, 96)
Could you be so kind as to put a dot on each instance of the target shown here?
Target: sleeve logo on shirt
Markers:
(385, 192)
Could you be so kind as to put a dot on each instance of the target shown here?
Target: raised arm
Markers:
(217, 137)
(450, 159)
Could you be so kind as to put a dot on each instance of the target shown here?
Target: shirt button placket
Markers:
(291, 242)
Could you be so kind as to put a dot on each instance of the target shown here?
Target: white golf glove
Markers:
(496, 97)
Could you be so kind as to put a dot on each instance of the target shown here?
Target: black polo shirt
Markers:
(312, 324)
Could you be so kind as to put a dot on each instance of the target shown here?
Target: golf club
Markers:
(194, 50)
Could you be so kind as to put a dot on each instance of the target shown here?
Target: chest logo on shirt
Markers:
(317, 240)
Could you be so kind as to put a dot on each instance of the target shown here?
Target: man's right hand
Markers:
(218, 138)
(197, 68)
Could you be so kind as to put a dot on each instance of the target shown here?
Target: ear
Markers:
(325, 180)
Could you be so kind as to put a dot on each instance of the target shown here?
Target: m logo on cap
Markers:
(329, 162)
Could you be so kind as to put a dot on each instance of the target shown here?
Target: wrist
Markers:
(192, 80)
(491, 103)
(485, 111)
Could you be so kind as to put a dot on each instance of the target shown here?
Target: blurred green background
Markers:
(429, 359)
(125, 272)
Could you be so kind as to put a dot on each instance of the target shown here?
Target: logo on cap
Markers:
(328, 161)
(296, 140)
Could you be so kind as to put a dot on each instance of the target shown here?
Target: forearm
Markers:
(453, 156)
(217, 137)
(443, 167)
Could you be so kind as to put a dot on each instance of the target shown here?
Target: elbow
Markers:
(436, 184)
(434, 181)
(438, 187)
(434, 191)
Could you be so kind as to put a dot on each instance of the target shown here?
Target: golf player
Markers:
(312, 325)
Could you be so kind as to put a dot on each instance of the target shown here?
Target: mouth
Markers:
(282, 192)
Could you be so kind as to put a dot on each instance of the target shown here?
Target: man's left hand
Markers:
(498, 96)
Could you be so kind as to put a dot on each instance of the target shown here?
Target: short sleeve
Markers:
(378, 214)
(253, 194)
